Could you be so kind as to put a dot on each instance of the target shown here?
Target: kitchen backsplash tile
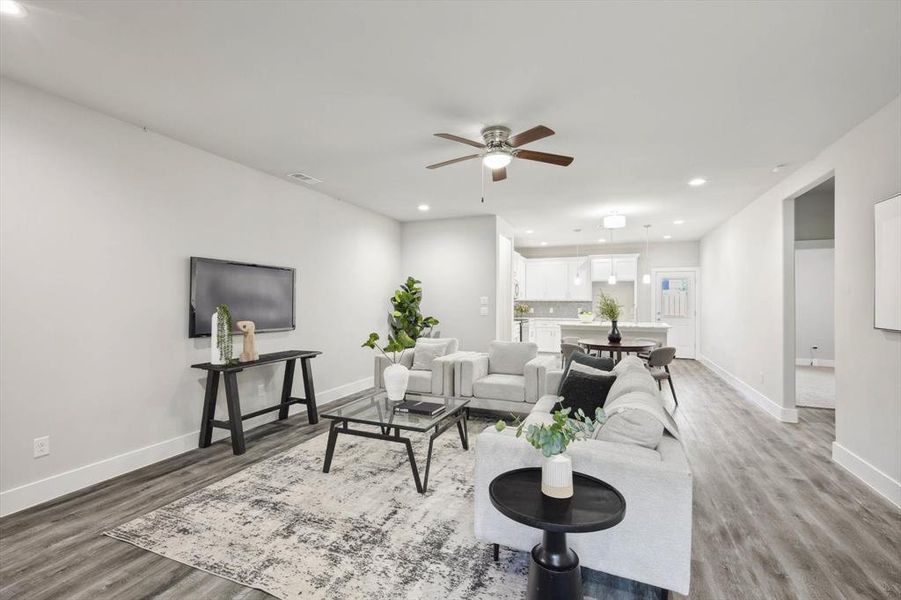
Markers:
(564, 310)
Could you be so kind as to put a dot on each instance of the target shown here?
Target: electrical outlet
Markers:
(483, 311)
(531, 310)
(551, 310)
(41, 446)
(483, 300)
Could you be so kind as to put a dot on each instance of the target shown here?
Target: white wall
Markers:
(662, 255)
(814, 303)
(456, 261)
(743, 293)
(97, 221)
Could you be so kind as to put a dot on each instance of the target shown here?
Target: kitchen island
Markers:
(548, 332)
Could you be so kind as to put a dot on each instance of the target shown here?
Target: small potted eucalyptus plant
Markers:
(552, 440)
(396, 375)
(611, 310)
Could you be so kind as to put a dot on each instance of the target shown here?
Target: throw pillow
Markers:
(424, 354)
(586, 391)
(595, 362)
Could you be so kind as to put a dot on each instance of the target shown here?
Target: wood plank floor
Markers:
(773, 516)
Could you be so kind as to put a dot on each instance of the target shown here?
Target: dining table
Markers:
(616, 349)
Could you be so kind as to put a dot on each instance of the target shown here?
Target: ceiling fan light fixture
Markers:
(497, 159)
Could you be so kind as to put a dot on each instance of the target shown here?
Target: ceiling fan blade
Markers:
(533, 134)
(554, 159)
(452, 161)
(499, 174)
(456, 138)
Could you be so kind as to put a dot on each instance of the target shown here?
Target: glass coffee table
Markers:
(376, 409)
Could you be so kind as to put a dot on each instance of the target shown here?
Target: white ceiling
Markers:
(645, 95)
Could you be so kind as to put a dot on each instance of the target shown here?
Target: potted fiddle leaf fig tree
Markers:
(611, 310)
(406, 315)
(552, 440)
(396, 375)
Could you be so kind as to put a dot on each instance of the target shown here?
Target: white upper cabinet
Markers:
(555, 279)
(624, 265)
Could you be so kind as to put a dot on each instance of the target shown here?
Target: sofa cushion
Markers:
(637, 417)
(585, 390)
(420, 381)
(426, 351)
(510, 358)
(628, 363)
(595, 362)
(633, 381)
(500, 386)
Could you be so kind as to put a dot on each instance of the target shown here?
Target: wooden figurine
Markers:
(250, 352)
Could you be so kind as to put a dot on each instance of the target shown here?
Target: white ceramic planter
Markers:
(557, 476)
(396, 379)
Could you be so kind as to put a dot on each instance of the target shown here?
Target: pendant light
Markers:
(611, 280)
(646, 278)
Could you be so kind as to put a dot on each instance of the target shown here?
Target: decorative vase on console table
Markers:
(614, 336)
(221, 334)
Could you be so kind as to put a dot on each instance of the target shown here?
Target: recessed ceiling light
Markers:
(666, 237)
(544, 243)
(12, 8)
(602, 240)
(678, 222)
(530, 231)
(697, 181)
(423, 207)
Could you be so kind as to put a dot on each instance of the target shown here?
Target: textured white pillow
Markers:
(425, 353)
(631, 426)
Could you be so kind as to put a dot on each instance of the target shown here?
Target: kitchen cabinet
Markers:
(624, 265)
(546, 334)
(555, 279)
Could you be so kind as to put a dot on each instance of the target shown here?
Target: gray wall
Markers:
(98, 220)
(456, 261)
(662, 255)
(815, 301)
(743, 291)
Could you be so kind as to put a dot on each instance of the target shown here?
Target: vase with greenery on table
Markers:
(221, 332)
(521, 309)
(552, 440)
(611, 310)
(396, 375)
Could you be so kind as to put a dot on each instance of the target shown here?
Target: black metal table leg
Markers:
(209, 409)
(462, 428)
(234, 413)
(287, 384)
(330, 448)
(309, 392)
(554, 572)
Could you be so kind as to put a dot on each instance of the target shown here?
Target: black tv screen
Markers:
(258, 293)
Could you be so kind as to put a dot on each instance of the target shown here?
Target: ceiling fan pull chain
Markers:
(482, 179)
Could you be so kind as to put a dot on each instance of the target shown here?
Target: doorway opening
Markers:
(814, 295)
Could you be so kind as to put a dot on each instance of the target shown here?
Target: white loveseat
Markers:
(510, 377)
(653, 542)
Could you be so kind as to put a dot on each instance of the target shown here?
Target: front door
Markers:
(675, 303)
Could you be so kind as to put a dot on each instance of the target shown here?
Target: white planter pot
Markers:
(557, 476)
(396, 379)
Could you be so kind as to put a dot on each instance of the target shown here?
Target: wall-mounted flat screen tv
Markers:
(258, 293)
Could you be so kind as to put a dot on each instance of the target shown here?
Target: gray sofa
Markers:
(510, 377)
(653, 543)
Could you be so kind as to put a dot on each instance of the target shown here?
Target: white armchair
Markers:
(438, 379)
(510, 377)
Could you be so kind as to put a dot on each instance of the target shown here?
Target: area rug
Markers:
(361, 531)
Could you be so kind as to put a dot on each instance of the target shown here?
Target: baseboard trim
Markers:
(817, 362)
(786, 415)
(881, 483)
(43, 490)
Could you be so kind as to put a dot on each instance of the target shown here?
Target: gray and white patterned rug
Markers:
(361, 531)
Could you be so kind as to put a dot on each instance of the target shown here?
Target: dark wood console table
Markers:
(289, 357)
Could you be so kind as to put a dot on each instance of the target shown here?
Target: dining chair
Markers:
(658, 362)
(567, 349)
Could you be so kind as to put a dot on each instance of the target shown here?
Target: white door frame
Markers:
(697, 274)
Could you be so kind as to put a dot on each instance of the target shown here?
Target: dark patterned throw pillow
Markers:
(585, 390)
(595, 362)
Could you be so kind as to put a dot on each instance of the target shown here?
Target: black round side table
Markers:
(554, 572)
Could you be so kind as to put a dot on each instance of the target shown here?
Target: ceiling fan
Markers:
(500, 148)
